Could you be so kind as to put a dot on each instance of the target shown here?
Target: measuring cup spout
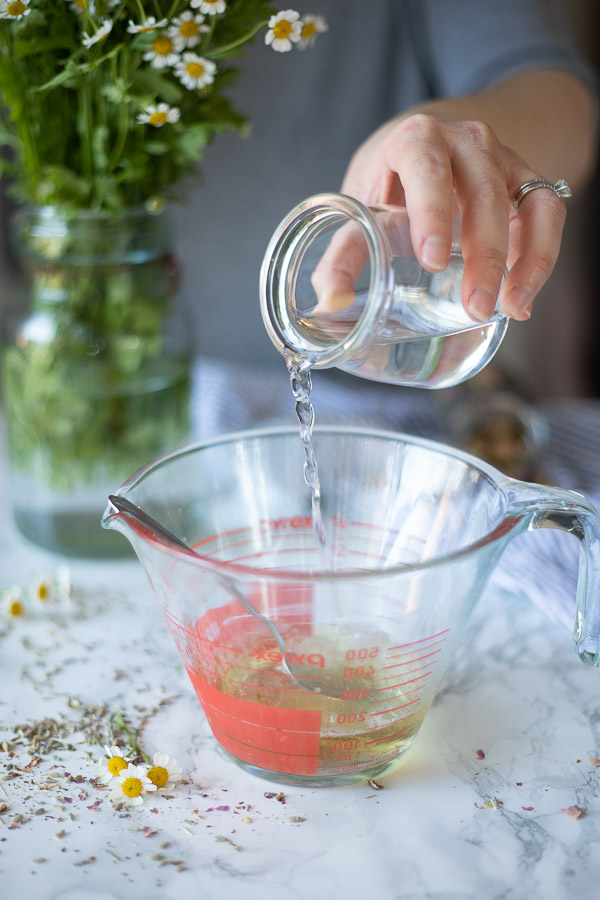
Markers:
(545, 507)
(137, 526)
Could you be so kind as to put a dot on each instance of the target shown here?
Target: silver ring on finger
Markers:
(560, 188)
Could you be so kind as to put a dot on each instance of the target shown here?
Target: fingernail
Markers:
(518, 302)
(481, 304)
(434, 253)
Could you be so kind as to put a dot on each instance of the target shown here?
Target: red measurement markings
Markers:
(420, 641)
(395, 708)
(408, 652)
(398, 696)
(402, 683)
(418, 668)
(409, 662)
(386, 737)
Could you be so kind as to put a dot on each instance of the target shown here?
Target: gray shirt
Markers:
(310, 110)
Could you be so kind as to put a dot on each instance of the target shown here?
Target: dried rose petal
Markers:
(573, 812)
(480, 754)
(528, 808)
(594, 761)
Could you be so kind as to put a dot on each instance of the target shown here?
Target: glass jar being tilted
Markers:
(340, 285)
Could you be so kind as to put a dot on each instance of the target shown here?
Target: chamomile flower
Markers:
(210, 7)
(130, 786)
(195, 72)
(42, 591)
(164, 773)
(284, 30)
(112, 763)
(14, 9)
(79, 6)
(186, 29)
(88, 40)
(311, 26)
(159, 115)
(148, 25)
(163, 52)
(13, 603)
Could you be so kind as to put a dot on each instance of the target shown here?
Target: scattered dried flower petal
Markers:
(573, 812)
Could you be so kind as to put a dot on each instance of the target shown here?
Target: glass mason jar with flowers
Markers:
(108, 106)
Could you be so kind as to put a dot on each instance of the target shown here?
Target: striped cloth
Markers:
(540, 566)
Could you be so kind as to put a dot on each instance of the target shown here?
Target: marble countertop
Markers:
(479, 808)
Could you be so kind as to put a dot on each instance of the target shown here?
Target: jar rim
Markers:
(280, 268)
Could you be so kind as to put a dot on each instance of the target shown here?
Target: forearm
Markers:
(546, 116)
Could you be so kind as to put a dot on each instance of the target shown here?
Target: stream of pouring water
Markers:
(301, 384)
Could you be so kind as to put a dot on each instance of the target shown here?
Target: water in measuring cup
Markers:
(366, 717)
(301, 385)
(426, 342)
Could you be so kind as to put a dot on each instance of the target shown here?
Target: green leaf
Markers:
(100, 148)
(62, 184)
(151, 84)
(156, 148)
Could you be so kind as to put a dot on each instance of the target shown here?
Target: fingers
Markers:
(431, 162)
(339, 269)
(541, 217)
(419, 153)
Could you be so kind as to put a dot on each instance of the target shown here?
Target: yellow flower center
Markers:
(132, 787)
(163, 45)
(309, 30)
(42, 592)
(80, 4)
(16, 9)
(16, 608)
(158, 775)
(157, 118)
(282, 29)
(116, 764)
(195, 70)
(188, 29)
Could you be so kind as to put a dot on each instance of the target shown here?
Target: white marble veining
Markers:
(447, 825)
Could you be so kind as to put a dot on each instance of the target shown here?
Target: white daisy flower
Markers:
(163, 52)
(13, 603)
(284, 30)
(311, 26)
(14, 9)
(195, 72)
(210, 7)
(159, 115)
(42, 591)
(78, 6)
(186, 30)
(164, 773)
(112, 763)
(148, 25)
(100, 35)
(130, 786)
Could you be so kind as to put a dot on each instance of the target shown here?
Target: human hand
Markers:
(422, 162)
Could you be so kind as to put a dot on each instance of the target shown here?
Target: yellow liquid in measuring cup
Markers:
(363, 716)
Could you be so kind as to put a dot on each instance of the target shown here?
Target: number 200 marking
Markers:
(351, 717)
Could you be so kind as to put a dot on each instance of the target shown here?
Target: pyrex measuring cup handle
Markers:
(569, 511)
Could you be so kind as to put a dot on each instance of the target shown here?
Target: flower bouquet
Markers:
(108, 106)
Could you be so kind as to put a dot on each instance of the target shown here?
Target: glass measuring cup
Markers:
(414, 530)
(340, 285)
